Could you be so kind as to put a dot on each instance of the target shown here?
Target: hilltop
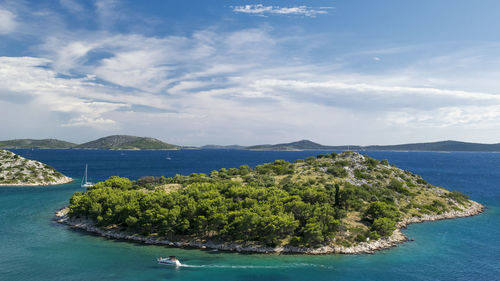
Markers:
(333, 203)
(17, 170)
(126, 142)
(298, 145)
(39, 144)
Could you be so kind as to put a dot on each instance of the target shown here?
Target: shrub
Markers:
(360, 175)
(458, 196)
(398, 187)
(421, 181)
(337, 171)
(370, 162)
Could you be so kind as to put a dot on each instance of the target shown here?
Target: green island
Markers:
(117, 142)
(124, 142)
(17, 170)
(332, 203)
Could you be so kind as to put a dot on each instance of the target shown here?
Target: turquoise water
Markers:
(32, 247)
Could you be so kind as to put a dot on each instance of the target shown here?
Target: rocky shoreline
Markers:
(59, 181)
(362, 248)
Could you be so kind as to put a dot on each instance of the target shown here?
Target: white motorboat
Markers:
(172, 260)
(85, 183)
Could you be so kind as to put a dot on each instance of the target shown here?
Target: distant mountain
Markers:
(438, 146)
(138, 143)
(429, 146)
(126, 142)
(298, 145)
(30, 143)
(213, 146)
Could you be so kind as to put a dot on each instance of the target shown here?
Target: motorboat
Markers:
(171, 260)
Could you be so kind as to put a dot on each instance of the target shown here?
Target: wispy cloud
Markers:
(224, 86)
(8, 21)
(262, 10)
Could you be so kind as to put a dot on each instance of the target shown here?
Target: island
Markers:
(333, 203)
(17, 170)
(114, 142)
(124, 142)
(37, 143)
(440, 146)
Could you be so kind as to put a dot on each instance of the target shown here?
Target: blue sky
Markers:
(251, 72)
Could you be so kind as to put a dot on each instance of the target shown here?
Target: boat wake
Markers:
(293, 265)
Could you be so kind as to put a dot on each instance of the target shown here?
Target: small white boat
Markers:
(172, 260)
(85, 183)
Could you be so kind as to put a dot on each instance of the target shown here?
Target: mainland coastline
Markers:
(61, 216)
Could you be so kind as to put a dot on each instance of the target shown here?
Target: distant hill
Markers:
(213, 146)
(429, 146)
(30, 143)
(438, 146)
(298, 145)
(138, 143)
(126, 142)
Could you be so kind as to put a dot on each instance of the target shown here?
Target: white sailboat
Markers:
(85, 182)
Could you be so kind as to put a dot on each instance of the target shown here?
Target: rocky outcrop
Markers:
(365, 247)
(19, 171)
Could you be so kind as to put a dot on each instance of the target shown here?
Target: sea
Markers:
(33, 247)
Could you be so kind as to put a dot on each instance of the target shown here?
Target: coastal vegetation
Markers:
(17, 170)
(332, 199)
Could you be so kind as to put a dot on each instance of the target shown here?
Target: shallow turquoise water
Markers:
(32, 247)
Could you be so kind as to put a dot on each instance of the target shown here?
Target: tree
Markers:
(384, 226)
(337, 195)
(379, 209)
(312, 233)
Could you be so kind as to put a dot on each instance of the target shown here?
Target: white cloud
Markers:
(243, 86)
(27, 77)
(8, 21)
(260, 9)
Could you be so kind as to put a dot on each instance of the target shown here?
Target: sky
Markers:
(251, 72)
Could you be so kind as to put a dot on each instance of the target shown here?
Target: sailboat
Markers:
(85, 182)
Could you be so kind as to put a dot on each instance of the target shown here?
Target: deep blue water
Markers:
(32, 247)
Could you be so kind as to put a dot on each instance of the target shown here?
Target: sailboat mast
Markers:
(86, 173)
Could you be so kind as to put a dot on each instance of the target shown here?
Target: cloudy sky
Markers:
(226, 72)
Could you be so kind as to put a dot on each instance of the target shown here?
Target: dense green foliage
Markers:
(311, 202)
(225, 210)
